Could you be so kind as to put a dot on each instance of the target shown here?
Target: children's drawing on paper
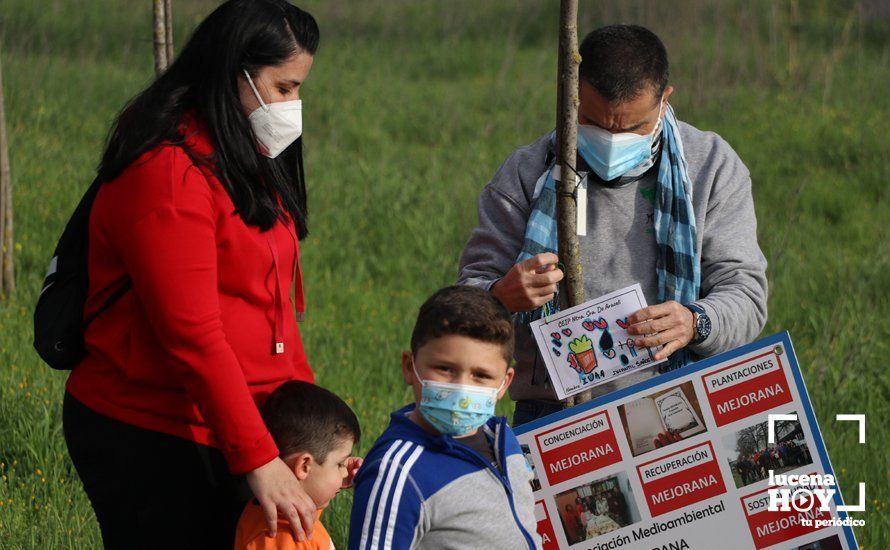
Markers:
(588, 344)
(583, 359)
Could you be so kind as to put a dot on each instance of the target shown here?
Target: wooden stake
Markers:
(566, 151)
(168, 29)
(7, 269)
(160, 36)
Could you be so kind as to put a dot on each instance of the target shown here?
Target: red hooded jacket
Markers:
(208, 329)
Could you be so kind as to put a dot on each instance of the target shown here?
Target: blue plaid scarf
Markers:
(679, 261)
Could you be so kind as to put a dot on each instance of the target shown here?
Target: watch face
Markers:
(703, 326)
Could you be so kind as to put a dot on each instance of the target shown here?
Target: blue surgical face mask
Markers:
(611, 155)
(456, 409)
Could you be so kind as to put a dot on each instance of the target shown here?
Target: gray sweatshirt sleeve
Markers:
(503, 209)
(733, 268)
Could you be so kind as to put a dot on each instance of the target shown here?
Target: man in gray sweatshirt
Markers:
(624, 95)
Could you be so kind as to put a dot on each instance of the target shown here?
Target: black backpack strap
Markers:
(115, 296)
(87, 204)
(59, 313)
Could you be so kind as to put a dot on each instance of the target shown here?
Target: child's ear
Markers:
(408, 367)
(507, 379)
(302, 465)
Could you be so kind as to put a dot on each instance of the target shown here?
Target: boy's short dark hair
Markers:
(622, 61)
(464, 311)
(303, 417)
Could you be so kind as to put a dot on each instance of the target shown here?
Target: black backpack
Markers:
(59, 323)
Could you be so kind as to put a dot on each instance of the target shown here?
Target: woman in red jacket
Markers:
(201, 210)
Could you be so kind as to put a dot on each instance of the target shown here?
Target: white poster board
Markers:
(700, 483)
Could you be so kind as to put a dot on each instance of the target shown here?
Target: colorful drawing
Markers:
(573, 362)
(606, 344)
(582, 349)
(588, 344)
(629, 345)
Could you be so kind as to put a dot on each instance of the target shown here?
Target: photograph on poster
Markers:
(527, 453)
(662, 418)
(828, 543)
(597, 507)
(751, 456)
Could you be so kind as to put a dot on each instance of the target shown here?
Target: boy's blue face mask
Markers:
(456, 409)
(611, 155)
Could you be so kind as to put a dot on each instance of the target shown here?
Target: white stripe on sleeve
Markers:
(384, 493)
(381, 472)
(397, 496)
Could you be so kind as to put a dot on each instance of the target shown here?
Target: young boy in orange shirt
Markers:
(315, 432)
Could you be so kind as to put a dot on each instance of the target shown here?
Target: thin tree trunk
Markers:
(160, 36)
(566, 147)
(168, 29)
(7, 271)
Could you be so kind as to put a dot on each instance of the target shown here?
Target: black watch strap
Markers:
(702, 323)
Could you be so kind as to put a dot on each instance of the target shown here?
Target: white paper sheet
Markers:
(588, 345)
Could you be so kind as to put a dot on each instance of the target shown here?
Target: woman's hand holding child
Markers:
(276, 488)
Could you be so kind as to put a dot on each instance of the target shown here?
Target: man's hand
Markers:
(276, 488)
(529, 284)
(669, 324)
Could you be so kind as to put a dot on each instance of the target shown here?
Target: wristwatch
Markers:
(701, 322)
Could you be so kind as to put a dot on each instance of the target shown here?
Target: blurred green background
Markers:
(410, 108)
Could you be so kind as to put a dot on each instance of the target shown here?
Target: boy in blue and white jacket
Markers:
(446, 473)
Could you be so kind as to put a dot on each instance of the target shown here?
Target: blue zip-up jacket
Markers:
(419, 490)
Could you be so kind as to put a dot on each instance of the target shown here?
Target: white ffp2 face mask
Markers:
(275, 125)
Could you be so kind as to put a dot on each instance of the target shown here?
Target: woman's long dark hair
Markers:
(203, 80)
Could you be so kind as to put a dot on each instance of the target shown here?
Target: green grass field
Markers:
(411, 107)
